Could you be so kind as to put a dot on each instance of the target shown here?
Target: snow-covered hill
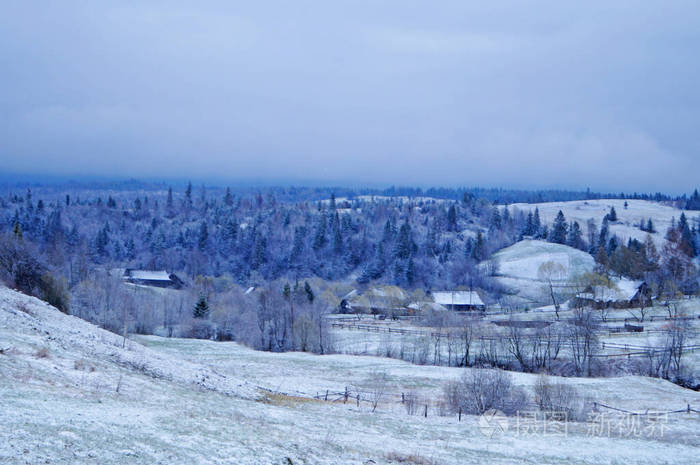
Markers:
(517, 267)
(523, 259)
(70, 394)
(628, 218)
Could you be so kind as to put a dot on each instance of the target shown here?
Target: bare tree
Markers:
(551, 272)
(558, 399)
(480, 390)
(583, 341)
(377, 386)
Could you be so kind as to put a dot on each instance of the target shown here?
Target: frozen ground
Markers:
(197, 402)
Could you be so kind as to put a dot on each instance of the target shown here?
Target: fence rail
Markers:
(424, 406)
(630, 350)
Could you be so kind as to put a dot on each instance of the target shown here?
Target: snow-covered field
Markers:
(198, 402)
(523, 259)
(628, 218)
(518, 266)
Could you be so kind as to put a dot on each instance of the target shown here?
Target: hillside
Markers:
(518, 265)
(629, 218)
(523, 259)
(72, 394)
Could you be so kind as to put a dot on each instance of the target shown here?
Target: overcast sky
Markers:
(453, 92)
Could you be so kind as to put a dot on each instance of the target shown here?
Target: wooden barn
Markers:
(459, 300)
(153, 278)
(624, 293)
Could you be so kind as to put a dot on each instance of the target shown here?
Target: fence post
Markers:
(425, 414)
(326, 398)
(460, 414)
(403, 399)
(345, 395)
(358, 399)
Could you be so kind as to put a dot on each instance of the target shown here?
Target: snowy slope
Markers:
(628, 219)
(518, 267)
(523, 259)
(27, 323)
(194, 402)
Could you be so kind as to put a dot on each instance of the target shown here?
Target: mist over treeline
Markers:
(54, 185)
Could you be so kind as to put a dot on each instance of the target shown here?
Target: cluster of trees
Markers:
(254, 238)
(257, 239)
(64, 247)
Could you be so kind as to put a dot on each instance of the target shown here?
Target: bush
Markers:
(20, 266)
(198, 329)
(55, 292)
(42, 353)
(479, 390)
(558, 397)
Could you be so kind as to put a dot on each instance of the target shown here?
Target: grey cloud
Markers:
(520, 93)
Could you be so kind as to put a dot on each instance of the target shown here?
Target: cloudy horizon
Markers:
(515, 95)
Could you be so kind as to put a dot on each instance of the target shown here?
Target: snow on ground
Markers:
(628, 218)
(518, 267)
(523, 259)
(193, 402)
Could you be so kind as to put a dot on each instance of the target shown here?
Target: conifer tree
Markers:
(228, 198)
(452, 218)
(559, 229)
(203, 236)
(201, 308)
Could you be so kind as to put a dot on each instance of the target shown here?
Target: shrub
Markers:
(479, 390)
(199, 329)
(42, 353)
(55, 292)
(559, 398)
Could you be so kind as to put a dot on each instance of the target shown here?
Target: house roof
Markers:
(148, 275)
(423, 306)
(623, 290)
(457, 298)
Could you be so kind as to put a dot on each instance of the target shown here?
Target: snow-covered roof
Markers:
(149, 275)
(249, 290)
(423, 306)
(457, 298)
(350, 295)
(623, 290)
(389, 292)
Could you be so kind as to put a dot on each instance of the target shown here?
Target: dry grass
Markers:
(42, 353)
(83, 365)
(409, 458)
(286, 400)
(24, 308)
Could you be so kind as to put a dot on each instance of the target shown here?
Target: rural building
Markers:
(624, 293)
(378, 300)
(459, 300)
(418, 307)
(153, 278)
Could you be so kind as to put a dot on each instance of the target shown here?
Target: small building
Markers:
(624, 293)
(153, 278)
(423, 307)
(387, 300)
(459, 300)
